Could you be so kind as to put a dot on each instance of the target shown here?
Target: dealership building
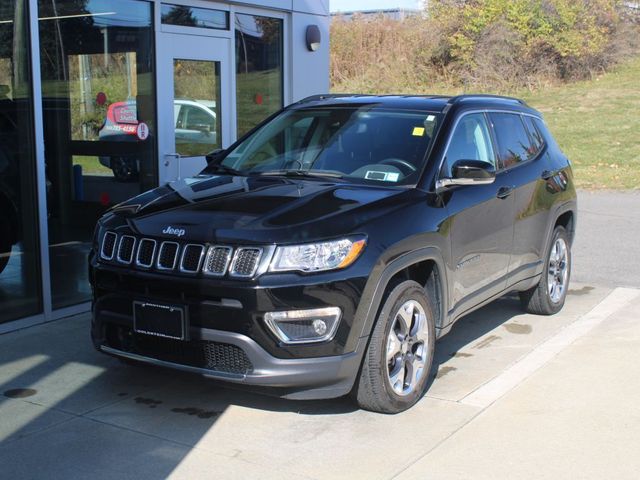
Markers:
(101, 100)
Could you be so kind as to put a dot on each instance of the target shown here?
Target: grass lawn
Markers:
(597, 124)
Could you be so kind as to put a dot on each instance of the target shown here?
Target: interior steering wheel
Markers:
(406, 167)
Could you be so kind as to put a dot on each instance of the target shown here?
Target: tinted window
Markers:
(259, 69)
(198, 119)
(470, 141)
(537, 142)
(362, 143)
(194, 17)
(514, 145)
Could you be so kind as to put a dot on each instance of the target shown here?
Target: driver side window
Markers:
(471, 140)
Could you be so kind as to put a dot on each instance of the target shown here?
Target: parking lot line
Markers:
(495, 388)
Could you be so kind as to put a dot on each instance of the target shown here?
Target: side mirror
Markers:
(469, 172)
(215, 156)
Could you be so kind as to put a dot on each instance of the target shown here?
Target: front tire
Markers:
(548, 297)
(396, 366)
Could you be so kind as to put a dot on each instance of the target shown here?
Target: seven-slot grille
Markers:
(191, 258)
(146, 251)
(217, 262)
(108, 245)
(245, 262)
(168, 256)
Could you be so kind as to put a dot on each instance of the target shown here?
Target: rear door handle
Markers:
(547, 174)
(504, 192)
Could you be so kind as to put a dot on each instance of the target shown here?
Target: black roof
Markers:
(433, 103)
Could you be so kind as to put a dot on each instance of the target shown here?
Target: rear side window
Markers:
(514, 144)
(537, 141)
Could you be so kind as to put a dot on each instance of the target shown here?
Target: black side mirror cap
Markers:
(469, 172)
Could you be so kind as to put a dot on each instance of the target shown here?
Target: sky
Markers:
(347, 5)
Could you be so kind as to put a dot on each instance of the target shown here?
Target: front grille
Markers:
(217, 261)
(168, 255)
(245, 262)
(146, 251)
(191, 258)
(108, 245)
(126, 248)
(214, 356)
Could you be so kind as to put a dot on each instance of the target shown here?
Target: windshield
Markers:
(364, 144)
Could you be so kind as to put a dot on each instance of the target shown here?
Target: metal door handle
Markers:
(504, 192)
(547, 174)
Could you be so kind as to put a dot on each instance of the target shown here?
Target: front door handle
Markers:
(504, 192)
(547, 174)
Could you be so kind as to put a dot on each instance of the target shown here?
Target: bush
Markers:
(496, 45)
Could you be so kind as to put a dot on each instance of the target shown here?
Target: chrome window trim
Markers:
(235, 260)
(184, 250)
(175, 258)
(115, 246)
(210, 251)
(485, 111)
(133, 249)
(153, 253)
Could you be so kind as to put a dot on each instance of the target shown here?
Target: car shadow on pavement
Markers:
(470, 328)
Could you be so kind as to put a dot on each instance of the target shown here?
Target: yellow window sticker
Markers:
(418, 131)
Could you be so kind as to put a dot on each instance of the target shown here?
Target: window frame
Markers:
(526, 129)
(497, 166)
(486, 111)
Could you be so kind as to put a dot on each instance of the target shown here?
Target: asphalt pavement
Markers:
(607, 246)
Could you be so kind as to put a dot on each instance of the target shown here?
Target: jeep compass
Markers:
(326, 251)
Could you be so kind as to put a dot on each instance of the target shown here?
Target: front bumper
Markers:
(225, 314)
(300, 378)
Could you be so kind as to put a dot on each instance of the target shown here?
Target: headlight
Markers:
(317, 257)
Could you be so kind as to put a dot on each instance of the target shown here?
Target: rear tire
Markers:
(396, 365)
(548, 297)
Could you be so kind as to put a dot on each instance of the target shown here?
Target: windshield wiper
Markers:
(299, 173)
(223, 169)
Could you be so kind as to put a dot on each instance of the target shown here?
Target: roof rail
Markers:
(324, 96)
(459, 98)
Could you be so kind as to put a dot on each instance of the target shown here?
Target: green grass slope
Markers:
(597, 124)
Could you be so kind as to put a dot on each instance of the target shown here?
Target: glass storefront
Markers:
(98, 126)
(259, 69)
(99, 123)
(196, 106)
(20, 285)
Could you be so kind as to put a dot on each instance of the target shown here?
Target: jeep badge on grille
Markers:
(178, 232)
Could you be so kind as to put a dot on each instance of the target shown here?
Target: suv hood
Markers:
(256, 209)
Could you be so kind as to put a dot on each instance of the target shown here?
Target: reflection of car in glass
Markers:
(10, 178)
(324, 253)
(194, 121)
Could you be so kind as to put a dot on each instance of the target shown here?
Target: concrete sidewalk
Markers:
(513, 396)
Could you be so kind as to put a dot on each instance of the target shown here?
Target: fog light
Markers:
(304, 326)
(319, 326)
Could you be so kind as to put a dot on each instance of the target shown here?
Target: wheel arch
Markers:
(426, 267)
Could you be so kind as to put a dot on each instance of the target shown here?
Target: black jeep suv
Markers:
(327, 250)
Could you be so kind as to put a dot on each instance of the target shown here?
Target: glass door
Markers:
(194, 100)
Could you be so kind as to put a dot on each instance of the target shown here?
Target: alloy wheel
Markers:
(407, 348)
(558, 270)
